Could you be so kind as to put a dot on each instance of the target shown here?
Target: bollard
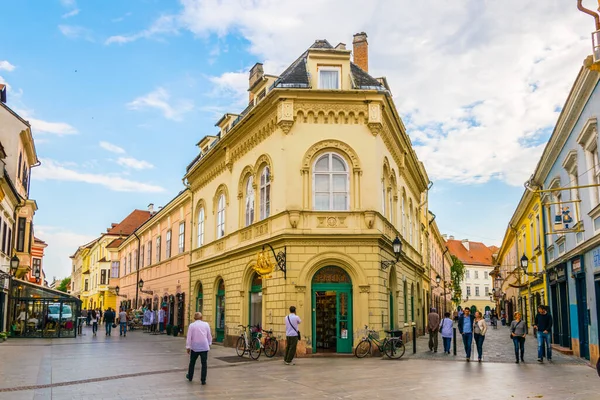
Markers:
(454, 339)
(414, 339)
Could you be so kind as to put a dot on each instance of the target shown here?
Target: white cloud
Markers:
(42, 126)
(76, 32)
(232, 86)
(163, 25)
(119, 19)
(62, 243)
(68, 3)
(71, 13)
(53, 170)
(134, 163)
(112, 148)
(476, 83)
(6, 66)
(160, 99)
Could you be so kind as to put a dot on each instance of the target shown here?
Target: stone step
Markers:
(563, 350)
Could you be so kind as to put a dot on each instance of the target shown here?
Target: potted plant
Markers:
(175, 330)
(3, 336)
(169, 328)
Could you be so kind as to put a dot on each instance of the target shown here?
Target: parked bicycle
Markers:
(392, 346)
(245, 344)
(270, 343)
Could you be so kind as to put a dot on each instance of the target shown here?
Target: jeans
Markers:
(468, 342)
(123, 328)
(433, 340)
(108, 326)
(479, 343)
(290, 348)
(193, 357)
(447, 341)
(161, 326)
(519, 343)
(94, 327)
(544, 339)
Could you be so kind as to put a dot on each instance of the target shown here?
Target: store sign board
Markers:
(576, 265)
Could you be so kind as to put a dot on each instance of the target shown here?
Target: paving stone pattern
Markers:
(153, 367)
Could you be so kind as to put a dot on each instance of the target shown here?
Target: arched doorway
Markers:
(255, 306)
(332, 315)
(473, 310)
(220, 311)
(199, 298)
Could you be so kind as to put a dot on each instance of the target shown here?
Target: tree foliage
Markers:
(457, 275)
(64, 284)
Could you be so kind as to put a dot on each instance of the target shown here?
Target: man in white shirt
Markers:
(197, 344)
(292, 321)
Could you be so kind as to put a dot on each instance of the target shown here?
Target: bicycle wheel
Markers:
(271, 346)
(394, 348)
(240, 347)
(255, 348)
(363, 348)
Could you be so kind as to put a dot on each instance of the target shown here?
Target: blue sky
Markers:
(118, 94)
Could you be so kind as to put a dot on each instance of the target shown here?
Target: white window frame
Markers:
(265, 187)
(249, 201)
(181, 238)
(201, 216)
(331, 173)
(383, 197)
(221, 216)
(330, 68)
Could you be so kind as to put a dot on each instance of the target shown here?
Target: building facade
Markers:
(158, 253)
(568, 179)
(505, 264)
(326, 179)
(477, 284)
(440, 262)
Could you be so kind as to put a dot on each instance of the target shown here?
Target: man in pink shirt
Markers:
(197, 344)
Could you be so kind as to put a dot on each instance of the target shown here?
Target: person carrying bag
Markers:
(292, 336)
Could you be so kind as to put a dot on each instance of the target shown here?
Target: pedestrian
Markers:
(503, 317)
(494, 320)
(197, 344)
(518, 331)
(88, 318)
(109, 320)
(94, 321)
(465, 327)
(122, 323)
(433, 325)
(479, 330)
(292, 336)
(84, 314)
(543, 325)
(446, 331)
(161, 320)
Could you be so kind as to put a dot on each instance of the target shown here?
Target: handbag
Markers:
(114, 325)
(297, 331)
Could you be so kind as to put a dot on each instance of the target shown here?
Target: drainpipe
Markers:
(137, 268)
(190, 297)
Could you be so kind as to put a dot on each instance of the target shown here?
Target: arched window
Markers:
(200, 227)
(383, 197)
(410, 225)
(221, 217)
(391, 203)
(249, 201)
(403, 216)
(265, 193)
(331, 183)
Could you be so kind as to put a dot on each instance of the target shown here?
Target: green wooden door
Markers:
(344, 321)
(220, 313)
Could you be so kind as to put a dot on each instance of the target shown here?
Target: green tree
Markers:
(457, 275)
(64, 284)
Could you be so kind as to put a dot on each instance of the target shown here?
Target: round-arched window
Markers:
(331, 184)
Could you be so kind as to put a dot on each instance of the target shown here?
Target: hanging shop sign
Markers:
(596, 257)
(263, 266)
(576, 266)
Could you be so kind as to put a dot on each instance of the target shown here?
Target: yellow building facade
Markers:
(524, 238)
(319, 173)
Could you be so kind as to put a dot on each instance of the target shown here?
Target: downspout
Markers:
(589, 12)
(137, 268)
(190, 297)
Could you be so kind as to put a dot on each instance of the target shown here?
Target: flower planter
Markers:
(175, 331)
(169, 329)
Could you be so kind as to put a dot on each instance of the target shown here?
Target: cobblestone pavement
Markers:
(142, 366)
(497, 347)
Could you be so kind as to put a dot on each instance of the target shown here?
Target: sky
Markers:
(119, 92)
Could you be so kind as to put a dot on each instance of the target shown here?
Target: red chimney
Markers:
(361, 51)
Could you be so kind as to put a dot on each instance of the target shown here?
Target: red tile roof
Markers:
(478, 253)
(494, 249)
(115, 243)
(130, 223)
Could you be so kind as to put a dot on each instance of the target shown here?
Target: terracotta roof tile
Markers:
(130, 223)
(115, 243)
(478, 253)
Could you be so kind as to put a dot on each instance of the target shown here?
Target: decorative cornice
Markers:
(330, 144)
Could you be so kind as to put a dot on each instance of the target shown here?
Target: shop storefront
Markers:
(559, 301)
(582, 317)
(39, 312)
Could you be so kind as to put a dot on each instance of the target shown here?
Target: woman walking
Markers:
(94, 321)
(479, 330)
(446, 330)
(517, 333)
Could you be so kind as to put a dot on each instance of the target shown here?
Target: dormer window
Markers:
(329, 78)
